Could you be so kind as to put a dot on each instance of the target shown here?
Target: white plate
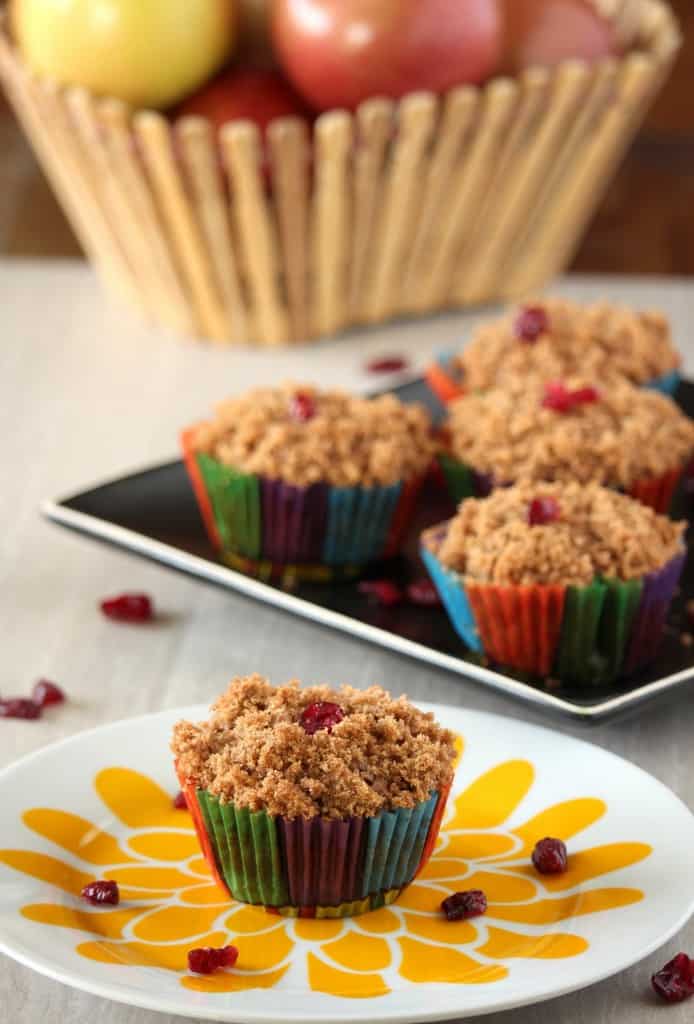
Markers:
(99, 805)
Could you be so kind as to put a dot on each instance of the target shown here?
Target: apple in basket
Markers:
(547, 32)
(338, 53)
(150, 53)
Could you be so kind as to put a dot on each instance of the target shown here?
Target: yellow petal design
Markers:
(151, 878)
(164, 845)
(379, 922)
(359, 952)
(317, 929)
(260, 952)
(479, 845)
(205, 895)
(438, 929)
(588, 864)
(323, 978)
(199, 866)
(563, 821)
(136, 800)
(492, 798)
(250, 920)
(439, 867)
(550, 911)
(146, 954)
(421, 897)
(46, 869)
(459, 744)
(108, 923)
(422, 963)
(232, 981)
(503, 945)
(173, 924)
(77, 835)
(502, 888)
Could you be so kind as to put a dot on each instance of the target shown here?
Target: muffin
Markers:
(557, 338)
(632, 439)
(314, 802)
(565, 580)
(298, 481)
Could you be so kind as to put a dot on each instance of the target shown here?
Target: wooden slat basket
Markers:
(401, 209)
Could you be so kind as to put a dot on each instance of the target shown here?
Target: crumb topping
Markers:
(628, 434)
(599, 341)
(343, 440)
(253, 751)
(596, 532)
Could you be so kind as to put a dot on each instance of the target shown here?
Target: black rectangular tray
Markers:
(153, 513)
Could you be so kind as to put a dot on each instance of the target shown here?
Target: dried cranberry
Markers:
(208, 960)
(542, 511)
(382, 591)
(675, 981)
(559, 398)
(531, 322)
(101, 892)
(45, 693)
(387, 364)
(179, 801)
(550, 857)
(423, 592)
(128, 608)
(321, 715)
(302, 407)
(463, 905)
(19, 707)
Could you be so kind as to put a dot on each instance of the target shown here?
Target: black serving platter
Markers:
(153, 513)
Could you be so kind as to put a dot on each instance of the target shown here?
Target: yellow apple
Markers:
(150, 53)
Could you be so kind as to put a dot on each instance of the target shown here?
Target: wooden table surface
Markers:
(87, 393)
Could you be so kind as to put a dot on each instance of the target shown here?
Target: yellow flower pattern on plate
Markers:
(169, 904)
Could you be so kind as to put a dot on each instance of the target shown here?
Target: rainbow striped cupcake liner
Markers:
(270, 528)
(588, 635)
(317, 867)
(446, 382)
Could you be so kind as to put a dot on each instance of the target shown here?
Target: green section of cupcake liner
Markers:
(595, 630)
(235, 499)
(460, 479)
(247, 849)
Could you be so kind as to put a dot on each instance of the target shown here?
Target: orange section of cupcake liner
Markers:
(199, 488)
(519, 626)
(442, 384)
(434, 828)
(190, 794)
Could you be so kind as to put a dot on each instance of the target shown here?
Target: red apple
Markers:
(340, 52)
(255, 94)
(547, 32)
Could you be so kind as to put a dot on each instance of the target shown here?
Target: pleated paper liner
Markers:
(588, 635)
(272, 529)
(447, 382)
(316, 867)
(464, 482)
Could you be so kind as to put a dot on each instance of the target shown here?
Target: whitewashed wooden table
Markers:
(87, 393)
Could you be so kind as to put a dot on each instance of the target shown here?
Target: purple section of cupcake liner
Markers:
(649, 621)
(294, 521)
(322, 860)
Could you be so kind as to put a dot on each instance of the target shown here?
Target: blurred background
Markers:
(645, 223)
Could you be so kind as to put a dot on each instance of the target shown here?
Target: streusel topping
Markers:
(303, 436)
(591, 532)
(627, 434)
(254, 751)
(599, 341)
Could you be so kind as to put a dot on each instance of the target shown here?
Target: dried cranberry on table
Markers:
(461, 906)
(387, 364)
(675, 981)
(46, 693)
(383, 592)
(19, 707)
(424, 593)
(179, 801)
(550, 856)
(207, 960)
(128, 608)
(102, 892)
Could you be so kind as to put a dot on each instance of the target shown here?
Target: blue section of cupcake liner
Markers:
(455, 600)
(667, 384)
(394, 844)
(359, 520)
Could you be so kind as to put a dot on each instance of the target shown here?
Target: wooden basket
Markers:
(400, 209)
